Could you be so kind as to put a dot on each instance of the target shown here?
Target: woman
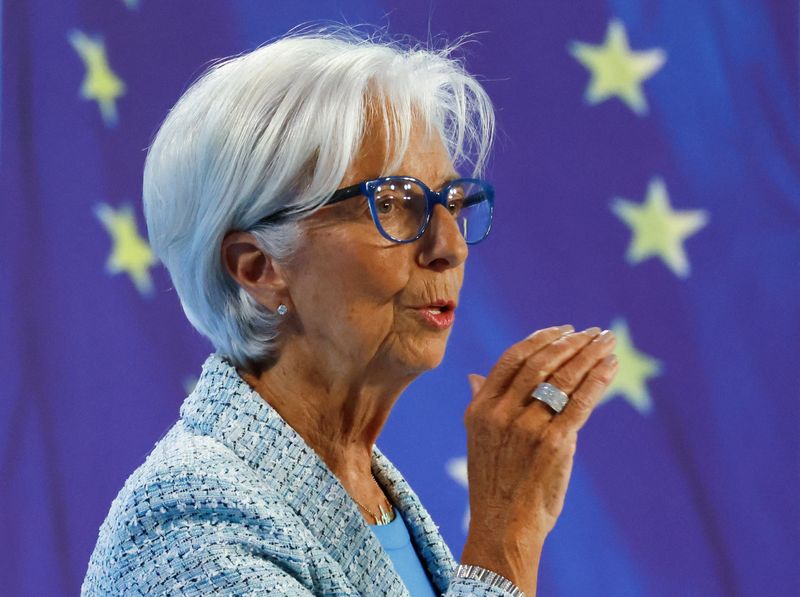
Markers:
(305, 201)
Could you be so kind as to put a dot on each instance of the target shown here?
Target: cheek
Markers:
(369, 289)
(350, 283)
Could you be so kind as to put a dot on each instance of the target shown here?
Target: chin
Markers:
(425, 355)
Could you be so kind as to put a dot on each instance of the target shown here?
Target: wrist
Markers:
(506, 552)
(518, 561)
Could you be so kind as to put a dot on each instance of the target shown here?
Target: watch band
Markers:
(493, 579)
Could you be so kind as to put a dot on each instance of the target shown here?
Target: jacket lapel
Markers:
(225, 407)
(434, 552)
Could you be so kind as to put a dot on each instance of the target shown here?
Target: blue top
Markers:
(396, 542)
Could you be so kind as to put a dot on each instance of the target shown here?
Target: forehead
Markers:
(425, 157)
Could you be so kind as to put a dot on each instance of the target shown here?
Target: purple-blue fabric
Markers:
(695, 496)
(396, 542)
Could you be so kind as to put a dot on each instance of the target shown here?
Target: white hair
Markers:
(277, 128)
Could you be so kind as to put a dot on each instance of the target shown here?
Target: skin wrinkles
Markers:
(351, 341)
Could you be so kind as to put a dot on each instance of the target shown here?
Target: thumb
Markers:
(475, 382)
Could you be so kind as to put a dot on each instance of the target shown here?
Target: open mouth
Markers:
(439, 315)
(439, 308)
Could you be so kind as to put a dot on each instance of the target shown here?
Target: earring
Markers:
(282, 309)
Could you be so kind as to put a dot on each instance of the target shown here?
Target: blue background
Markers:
(696, 495)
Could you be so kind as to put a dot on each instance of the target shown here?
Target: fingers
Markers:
(588, 394)
(507, 366)
(540, 365)
(569, 376)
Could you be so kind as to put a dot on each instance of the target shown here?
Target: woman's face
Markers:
(362, 300)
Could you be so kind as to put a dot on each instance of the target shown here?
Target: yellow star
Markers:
(635, 368)
(616, 69)
(131, 253)
(658, 230)
(100, 83)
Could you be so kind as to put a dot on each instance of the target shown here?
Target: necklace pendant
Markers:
(385, 517)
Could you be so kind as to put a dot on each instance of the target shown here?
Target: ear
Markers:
(254, 270)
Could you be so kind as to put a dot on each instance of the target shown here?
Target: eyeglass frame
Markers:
(367, 189)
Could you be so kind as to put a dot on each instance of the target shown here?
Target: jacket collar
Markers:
(225, 407)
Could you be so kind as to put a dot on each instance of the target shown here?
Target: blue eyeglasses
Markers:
(401, 206)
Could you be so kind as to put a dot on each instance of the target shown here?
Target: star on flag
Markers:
(101, 83)
(658, 230)
(618, 71)
(635, 369)
(130, 252)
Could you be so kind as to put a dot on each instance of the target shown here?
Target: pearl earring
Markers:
(282, 309)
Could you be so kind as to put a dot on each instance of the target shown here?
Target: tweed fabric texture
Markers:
(233, 501)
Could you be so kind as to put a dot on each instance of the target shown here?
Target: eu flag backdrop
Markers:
(648, 180)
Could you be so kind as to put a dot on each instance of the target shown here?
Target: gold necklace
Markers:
(385, 517)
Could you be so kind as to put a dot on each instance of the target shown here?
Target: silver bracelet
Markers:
(493, 579)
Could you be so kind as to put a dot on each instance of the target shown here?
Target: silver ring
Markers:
(551, 396)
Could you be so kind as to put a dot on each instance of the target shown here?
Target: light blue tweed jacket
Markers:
(233, 501)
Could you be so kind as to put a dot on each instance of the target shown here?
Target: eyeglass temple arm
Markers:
(475, 198)
(345, 193)
(339, 195)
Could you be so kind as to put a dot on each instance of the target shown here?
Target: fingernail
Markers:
(610, 359)
(565, 328)
(606, 337)
(592, 331)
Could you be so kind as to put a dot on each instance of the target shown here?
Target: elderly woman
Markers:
(305, 199)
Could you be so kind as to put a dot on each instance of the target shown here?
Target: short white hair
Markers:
(277, 128)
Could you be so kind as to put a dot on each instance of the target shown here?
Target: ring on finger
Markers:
(551, 395)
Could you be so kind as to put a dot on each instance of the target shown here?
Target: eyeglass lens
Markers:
(401, 207)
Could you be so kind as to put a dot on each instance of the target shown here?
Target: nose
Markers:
(443, 245)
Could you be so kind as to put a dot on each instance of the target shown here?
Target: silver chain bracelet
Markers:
(492, 578)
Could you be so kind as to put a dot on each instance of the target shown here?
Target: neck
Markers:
(339, 412)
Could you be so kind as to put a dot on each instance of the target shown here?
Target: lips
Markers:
(438, 315)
